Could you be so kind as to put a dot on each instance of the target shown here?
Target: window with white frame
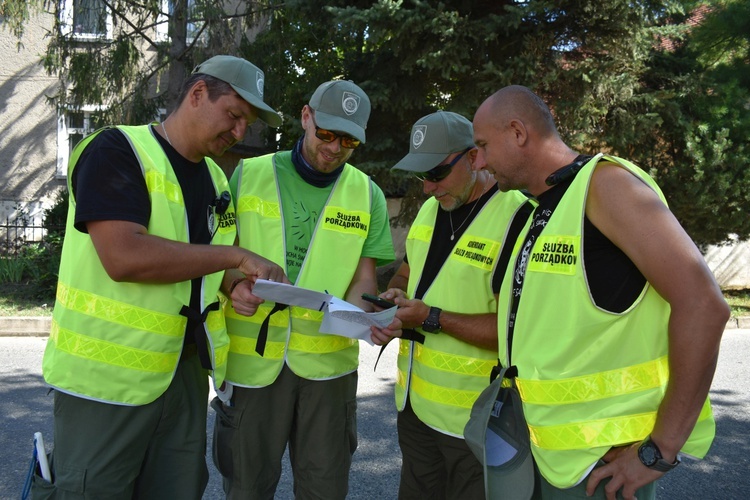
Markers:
(72, 126)
(87, 19)
(162, 26)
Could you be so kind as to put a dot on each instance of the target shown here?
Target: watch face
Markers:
(429, 326)
(647, 454)
(432, 323)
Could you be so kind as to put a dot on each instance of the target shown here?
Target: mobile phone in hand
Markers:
(378, 301)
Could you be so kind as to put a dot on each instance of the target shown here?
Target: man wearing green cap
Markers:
(446, 290)
(137, 325)
(326, 224)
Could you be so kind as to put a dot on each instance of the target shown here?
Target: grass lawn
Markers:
(739, 302)
(18, 300)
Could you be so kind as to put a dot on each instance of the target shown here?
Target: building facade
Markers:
(31, 172)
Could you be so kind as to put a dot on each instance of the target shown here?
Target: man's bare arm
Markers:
(630, 214)
(400, 279)
(365, 280)
(129, 254)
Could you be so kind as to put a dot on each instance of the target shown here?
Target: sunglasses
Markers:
(442, 171)
(329, 136)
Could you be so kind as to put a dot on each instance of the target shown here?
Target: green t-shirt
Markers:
(302, 204)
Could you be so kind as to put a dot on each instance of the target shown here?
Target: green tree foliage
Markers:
(644, 79)
(15, 14)
(689, 120)
(648, 80)
(413, 57)
(138, 68)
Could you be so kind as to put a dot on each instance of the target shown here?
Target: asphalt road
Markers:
(25, 407)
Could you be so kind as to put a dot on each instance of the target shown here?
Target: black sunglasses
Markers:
(330, 136)
(442, 171)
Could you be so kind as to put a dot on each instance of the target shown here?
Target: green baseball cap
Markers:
(498, 436)
(245, 78)
(341, 106)
(433, 138)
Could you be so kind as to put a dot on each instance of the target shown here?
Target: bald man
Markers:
(607, 310)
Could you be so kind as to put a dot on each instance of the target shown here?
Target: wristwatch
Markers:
(432, 323)
(651, 457)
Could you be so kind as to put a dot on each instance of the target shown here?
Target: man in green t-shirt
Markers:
(326, 224)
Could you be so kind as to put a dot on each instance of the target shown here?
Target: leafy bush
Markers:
(46, 255)
(55, 218)
(11, 269)
(34, 266)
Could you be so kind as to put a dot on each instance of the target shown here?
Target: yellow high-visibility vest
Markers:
(589, 379)
(329, 265)
(444, 376)
(121, 342)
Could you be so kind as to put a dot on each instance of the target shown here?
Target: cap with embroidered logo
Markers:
(341, 106)
(433, 138)
(245, 78)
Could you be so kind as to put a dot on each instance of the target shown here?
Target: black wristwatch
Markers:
(432, 323)
(650, 456)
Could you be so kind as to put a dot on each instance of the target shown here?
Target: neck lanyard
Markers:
(541, 217)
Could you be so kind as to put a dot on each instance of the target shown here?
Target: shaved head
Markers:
(518, 102)
(517, 140)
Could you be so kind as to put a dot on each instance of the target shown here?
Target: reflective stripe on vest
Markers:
(112, 353)
(445, 375)
(598, 377)
(120, 312)
(606, 384)
(603, 432)
(121, 342)
(294, 332)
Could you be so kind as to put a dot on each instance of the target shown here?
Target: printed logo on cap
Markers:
(420, 132)
(350, 103)
(259, 82)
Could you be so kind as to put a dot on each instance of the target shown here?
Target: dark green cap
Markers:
(433, 138)
(341, 106)
(245, 78)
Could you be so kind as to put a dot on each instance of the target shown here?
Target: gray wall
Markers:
(28, 123)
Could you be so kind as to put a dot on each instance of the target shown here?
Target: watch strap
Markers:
(431, 324)
(660, 464)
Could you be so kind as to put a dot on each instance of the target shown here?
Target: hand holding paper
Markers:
(339, 317)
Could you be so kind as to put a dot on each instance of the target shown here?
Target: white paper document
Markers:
(291, 295)
(339, 317)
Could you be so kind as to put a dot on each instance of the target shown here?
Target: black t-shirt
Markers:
(108, 184)
(615, 282)
(441, 245)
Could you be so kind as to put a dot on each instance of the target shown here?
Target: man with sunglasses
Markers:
(326, 224)
(446, 290)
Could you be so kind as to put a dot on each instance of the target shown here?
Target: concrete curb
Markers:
(39, 326)
(740, 322)
(25, 326)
